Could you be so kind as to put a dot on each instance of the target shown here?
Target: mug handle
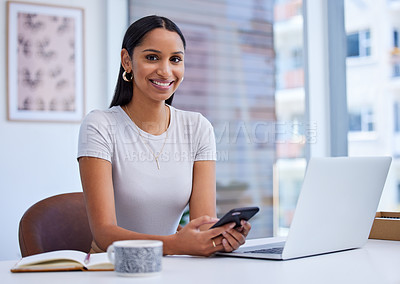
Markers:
(110, 254)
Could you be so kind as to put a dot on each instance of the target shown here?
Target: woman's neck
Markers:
(152, 118)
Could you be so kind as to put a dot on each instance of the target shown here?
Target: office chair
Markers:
(59, 222)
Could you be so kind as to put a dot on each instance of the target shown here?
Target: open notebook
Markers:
(63, 260)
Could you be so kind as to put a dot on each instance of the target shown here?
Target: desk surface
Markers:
(377, 262)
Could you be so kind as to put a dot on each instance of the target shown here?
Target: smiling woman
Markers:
(134, 36)
(157, 72)
(134, 177)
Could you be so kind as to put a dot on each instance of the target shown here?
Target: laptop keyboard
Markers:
(276, 250)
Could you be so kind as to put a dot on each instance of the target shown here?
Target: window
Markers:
(359, 44)
(230, 78)
(398, 192)
(372, 92)
(396, 70)
(291, 128)
(297, 57)
(361, 120)
(396, 117)
(396, 54)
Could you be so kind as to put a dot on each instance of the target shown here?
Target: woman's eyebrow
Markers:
(157, 51)
(151, 50)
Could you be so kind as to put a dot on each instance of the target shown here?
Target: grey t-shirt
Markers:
(147, 199)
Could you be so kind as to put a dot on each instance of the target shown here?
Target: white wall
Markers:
(39, 159)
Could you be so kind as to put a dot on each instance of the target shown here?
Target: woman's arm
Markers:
(96, 177)
(203, 198)
(202, 202)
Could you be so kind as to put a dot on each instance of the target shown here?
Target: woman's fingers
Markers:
(218, 242)
(223, 238)
(227, 246)
(229, 240)
(234, 238)
(212, 233)
(245, 228)
(207, 242)
(203, 220)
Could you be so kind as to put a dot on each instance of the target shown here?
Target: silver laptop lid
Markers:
(337, 205)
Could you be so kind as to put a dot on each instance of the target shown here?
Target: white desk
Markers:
(377, 262)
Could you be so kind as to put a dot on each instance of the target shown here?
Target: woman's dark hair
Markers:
(133, 37)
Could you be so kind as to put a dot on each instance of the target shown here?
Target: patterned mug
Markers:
(136, 257)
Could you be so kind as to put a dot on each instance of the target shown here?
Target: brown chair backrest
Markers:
(59, 222)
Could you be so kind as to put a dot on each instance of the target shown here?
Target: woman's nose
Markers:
(164, 69)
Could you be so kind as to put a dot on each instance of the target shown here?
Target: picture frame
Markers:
(45, 67)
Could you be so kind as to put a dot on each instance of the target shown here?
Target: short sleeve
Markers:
(206, 149)
(95, 137)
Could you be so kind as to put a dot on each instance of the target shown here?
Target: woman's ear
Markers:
(126, 60)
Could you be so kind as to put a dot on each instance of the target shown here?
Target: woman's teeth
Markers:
(161, 84)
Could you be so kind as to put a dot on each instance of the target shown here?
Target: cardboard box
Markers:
(386, 226)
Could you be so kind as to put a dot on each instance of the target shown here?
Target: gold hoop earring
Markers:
(126, 75)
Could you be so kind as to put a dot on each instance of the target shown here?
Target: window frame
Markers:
(325, 76)
(364, 48)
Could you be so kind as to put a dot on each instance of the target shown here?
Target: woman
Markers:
(142, 161)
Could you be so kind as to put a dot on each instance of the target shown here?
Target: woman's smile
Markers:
(161, 84)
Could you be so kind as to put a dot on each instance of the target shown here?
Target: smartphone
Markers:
(236, 215)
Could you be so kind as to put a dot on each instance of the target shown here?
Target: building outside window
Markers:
(292, 127)
(396, 54)
(373, 92)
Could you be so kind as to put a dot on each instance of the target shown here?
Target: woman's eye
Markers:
(176, 59)
(151, 57)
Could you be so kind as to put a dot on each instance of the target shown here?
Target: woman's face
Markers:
(157, 65)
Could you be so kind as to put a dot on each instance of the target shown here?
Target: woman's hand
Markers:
(234, 238)
(190, 240)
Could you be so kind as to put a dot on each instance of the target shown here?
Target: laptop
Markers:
(335, 210)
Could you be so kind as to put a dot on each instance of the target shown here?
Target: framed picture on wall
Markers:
(45, 62)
